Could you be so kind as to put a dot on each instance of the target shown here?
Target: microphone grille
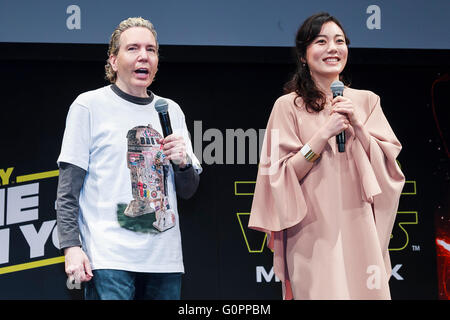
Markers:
(161, 105)
(337, 86)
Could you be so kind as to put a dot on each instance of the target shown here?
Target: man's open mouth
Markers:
(141, 71)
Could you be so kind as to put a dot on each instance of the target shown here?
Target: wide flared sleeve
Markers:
(279, 201)
(381, 179)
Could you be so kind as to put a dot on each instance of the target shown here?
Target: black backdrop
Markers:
(224, 88)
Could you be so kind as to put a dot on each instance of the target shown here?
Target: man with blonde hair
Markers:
(118, 255)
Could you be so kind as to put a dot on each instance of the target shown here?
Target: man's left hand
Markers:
(174, 148)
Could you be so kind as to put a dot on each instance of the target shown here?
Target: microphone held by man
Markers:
(177, 156)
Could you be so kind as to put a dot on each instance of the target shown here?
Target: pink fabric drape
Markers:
(329, 231)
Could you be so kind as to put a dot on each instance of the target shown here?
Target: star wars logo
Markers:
(19, 212)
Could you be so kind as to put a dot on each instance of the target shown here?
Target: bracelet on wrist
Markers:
(309, 155)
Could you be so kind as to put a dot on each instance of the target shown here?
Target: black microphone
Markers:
(162, 107)
(337, 87)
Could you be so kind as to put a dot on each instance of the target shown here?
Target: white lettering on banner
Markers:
(37, 240)
(374, 20)
(55, 238)
(2, 207)
(262, 273)
(395, 273)
(74, 20)
(4, 246)
(372, 282)
(22, 203)
(18, 205)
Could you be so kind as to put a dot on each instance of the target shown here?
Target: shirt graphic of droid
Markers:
(149, 169)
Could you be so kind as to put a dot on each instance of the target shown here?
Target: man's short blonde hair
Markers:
(114, 42)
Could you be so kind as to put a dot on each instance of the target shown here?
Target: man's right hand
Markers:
(77, 264)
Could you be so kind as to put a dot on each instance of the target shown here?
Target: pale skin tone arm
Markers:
(341, 118)
(77, 265)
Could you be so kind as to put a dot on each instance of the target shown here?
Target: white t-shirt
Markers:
(95, 139)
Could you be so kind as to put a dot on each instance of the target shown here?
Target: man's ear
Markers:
(113, 62)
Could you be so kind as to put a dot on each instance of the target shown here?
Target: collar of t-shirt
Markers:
(130, 98)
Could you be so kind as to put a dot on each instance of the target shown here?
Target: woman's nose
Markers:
(332, 46)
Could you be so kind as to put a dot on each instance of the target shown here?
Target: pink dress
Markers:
(329, 231)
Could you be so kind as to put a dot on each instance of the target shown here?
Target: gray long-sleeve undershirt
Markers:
(70, 182)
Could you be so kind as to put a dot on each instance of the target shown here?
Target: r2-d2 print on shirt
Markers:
(149, 169)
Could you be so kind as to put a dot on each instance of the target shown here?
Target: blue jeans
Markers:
(108, 284)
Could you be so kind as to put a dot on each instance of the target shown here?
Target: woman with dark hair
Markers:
(302, 82)
(328, 214)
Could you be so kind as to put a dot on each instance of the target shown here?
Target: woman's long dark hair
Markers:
(302, 83)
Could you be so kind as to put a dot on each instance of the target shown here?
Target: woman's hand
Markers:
(336, 123)
(344, 106)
